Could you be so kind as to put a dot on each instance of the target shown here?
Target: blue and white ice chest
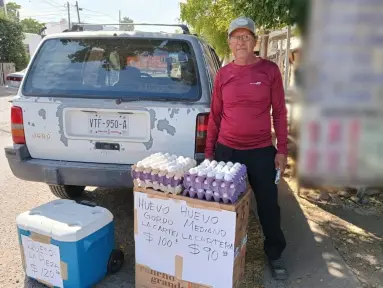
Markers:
(83, 235)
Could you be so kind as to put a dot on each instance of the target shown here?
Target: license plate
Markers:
(13, 84)
(108, 125)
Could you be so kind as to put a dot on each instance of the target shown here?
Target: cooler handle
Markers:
(87, 203)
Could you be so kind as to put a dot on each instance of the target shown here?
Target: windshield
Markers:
(114, 67)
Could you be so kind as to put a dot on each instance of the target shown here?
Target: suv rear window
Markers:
(132, 68)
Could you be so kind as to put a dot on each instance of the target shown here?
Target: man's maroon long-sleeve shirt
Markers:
(240, 109)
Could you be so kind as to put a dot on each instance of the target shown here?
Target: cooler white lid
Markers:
(64, 220)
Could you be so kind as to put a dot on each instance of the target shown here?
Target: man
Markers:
(239, 129)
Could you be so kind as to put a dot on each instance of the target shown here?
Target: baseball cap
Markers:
(242, 22)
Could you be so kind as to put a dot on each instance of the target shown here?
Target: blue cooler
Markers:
(68, 244)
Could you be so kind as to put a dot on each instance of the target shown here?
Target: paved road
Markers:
(312, 262)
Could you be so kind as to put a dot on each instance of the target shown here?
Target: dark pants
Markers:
(261, 173)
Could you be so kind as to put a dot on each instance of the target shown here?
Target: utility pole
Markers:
(287, 59)
(264, 44)
(78, 12)
(5, 7)
(68, 6)
(119, 19)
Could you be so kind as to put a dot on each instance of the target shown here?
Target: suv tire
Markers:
(66, 191)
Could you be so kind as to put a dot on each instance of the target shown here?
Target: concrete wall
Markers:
(32, 41)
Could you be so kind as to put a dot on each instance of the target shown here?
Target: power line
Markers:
(98, 12)
(59, 4)
(41, 15)
(78, 12)
(40, 12)
(96, 17)
(55, 5)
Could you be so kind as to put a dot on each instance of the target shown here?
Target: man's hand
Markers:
(280, 162)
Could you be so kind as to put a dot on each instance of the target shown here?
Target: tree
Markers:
(127, 27)
(267, 14)
(274, 14)
(12, 11)
(30, 25)
(210, 19)
(11, 45)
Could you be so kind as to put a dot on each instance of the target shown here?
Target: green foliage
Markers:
(30, 25)
(12, 11)
(268, 14)
(11, 44)
(127, 27)
(300, 13)
(211, 18)
(274, 14)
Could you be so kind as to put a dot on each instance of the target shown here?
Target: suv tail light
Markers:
(201, 132)
(17, 125)
(14, 78)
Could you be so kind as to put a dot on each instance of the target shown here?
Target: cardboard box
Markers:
(189, 243)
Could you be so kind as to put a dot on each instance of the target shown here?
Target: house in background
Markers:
(276, 52)
(56, 27)
(31, 42)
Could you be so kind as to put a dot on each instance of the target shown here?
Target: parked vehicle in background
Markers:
(92, 103)
(13, 80)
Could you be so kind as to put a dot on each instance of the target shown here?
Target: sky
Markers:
(107, 11)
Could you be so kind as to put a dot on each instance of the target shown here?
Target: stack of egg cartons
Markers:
(218, 181)
(162, 172)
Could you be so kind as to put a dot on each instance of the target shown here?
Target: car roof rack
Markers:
(185, 29)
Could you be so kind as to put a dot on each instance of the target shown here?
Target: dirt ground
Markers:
(354, 224)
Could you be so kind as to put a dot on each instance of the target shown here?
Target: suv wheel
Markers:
(66, 191)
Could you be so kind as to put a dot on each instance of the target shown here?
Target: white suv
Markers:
(93, 103)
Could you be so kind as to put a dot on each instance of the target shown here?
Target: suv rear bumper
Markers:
(64, 172)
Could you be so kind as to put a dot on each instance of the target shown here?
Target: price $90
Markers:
(195, 249)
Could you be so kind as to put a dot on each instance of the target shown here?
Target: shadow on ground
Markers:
(361, 248)
(364, 216)
(310, 257)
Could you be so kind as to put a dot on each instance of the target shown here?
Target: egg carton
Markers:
(210, 195)
(213, 175)
(171, 179)
(167, 189)
(161, 165)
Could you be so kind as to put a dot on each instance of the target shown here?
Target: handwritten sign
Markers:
(343, 95)
(203, 238)
(42, 261)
